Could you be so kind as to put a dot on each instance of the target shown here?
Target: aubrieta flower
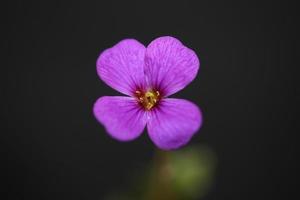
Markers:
(148, 75)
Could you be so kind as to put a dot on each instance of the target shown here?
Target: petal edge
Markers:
(169, 65)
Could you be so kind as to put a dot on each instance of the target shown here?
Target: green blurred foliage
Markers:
(185, 174)
(192, 171)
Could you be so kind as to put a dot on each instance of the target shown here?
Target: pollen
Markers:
(148, 99)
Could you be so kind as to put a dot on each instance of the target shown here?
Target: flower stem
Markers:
(160, 180)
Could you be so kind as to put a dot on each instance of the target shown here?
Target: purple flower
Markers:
(148, 75)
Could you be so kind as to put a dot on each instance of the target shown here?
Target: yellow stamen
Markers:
(148, 99)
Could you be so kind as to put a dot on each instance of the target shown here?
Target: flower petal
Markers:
(122, 117)
(122, 66)
(173, 123)
(169, 65)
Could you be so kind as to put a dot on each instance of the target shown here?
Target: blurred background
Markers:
(53, 148)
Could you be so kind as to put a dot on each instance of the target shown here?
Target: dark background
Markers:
(52, 146)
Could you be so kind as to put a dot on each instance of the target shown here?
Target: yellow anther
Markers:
(148, 99)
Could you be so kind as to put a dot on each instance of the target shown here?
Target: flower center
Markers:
(148, 99)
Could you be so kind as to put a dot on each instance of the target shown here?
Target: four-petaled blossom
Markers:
(148, 75)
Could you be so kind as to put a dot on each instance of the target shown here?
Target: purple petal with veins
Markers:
(122, 117)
